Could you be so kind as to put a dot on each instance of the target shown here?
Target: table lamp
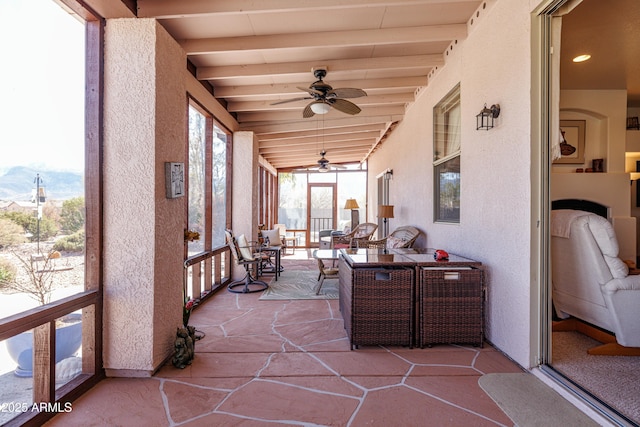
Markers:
(385, 212)
(352, 204)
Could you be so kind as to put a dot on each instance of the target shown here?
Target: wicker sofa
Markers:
(401, 237)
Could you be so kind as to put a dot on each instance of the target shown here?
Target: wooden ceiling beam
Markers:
(266, 138)
(326, 39)
(335, 156)
(297, 125)
(401, 84)
(301, 69)
(162, 9)
(364, 140)
(263, 116)
(292, 142)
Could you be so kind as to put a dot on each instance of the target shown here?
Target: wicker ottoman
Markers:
(451, 308)
(377, 305)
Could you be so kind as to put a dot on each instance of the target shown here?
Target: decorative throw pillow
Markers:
(243, 245)
(394, 242)
(273, 236)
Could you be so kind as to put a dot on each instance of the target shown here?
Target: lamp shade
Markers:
(385, 211)
(351, 204)
(320, 108)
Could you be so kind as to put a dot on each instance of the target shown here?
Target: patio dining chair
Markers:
(246, 256)
(325, 273)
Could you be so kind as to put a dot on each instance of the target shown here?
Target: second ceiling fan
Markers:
(324, 97)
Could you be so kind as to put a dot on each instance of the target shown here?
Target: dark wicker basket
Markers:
(377, 305)
(451, 308)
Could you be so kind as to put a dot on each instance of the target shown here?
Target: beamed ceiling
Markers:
(255, 53)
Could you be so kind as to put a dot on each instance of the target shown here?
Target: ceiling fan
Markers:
(324, 97)
(323, 164)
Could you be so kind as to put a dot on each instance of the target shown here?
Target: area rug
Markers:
(299, 284)
(529, 402)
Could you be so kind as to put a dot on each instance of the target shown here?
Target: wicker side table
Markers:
(377, 304)
(451, 306)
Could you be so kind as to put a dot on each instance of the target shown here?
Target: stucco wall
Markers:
(245, 189)
(144, 122)
(493, 66)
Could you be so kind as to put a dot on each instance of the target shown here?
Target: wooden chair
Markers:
(244, 255)
(401, 237)
(325, 273)
(362, 232)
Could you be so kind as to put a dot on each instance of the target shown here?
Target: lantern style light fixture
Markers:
(486, 117)
(385, 212)
(352, 205)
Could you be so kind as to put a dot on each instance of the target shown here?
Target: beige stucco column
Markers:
(245, 189)
(144, 127)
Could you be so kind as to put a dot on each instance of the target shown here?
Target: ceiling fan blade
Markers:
(345, 106)
(289, 100)
(310, 90)
(347, 92)
(308, 112)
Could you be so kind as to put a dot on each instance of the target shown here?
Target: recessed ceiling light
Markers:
(581, 58)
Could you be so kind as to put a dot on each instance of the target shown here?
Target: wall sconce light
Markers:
(352, 205)
(487, 116)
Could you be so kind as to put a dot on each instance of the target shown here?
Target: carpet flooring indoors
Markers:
(613, 379)
(299, 284)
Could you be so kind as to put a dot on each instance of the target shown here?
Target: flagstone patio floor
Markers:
(280, 363)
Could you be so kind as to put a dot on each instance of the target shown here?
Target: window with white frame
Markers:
(446, 157)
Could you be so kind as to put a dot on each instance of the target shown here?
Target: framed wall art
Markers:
(174, 179)
(572, 146)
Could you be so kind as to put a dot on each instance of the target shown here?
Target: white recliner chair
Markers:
(590, 282)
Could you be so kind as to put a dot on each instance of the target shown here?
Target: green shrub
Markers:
(7, 272)
(71, 243)
(10, 233)
(29, 223)
(72, 214)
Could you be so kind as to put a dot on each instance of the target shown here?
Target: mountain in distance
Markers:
(18, 184)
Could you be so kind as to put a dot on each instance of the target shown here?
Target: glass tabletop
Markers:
(326, 253)
(388, 257)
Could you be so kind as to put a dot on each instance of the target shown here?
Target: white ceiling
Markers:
(610, 32)
(254, 53)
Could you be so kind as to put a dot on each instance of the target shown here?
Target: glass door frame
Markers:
(334, 210)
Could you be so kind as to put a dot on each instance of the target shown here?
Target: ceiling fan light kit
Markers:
(325, 97)
(320, 107)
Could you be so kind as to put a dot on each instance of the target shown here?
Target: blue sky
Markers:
(41, 86)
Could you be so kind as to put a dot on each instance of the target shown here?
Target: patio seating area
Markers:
(289, 362)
